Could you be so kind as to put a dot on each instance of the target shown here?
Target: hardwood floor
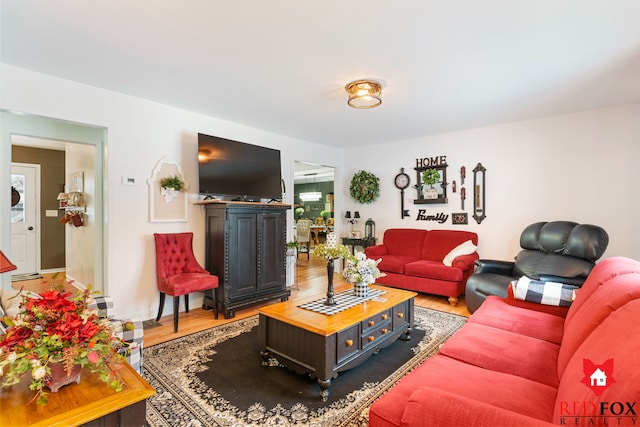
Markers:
(311, 281)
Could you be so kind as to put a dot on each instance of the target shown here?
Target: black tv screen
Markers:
(238, 171)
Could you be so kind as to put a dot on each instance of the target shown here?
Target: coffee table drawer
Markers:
(376, 322)
(401, 315)
(376, 336)
(347, 343)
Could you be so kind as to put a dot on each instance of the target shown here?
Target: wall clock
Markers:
(402, 181)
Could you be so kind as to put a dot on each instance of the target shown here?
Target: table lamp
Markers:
(5, 264)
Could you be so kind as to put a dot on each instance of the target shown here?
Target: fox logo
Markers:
(598, 377)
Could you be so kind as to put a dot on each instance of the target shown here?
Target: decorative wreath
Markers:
(365, 187)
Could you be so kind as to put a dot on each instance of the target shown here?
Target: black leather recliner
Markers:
(560, 251)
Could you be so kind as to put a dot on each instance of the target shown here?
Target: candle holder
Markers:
(330, 253)
(330, 294)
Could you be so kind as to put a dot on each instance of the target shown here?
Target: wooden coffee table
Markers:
(323, 345)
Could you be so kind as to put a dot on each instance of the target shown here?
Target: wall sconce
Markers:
(310, 196)
(354, 220)
(364, 94)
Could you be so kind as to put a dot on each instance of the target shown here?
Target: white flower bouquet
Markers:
(360, 269)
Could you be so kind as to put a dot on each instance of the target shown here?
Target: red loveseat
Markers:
(413, 259)
(516, 366)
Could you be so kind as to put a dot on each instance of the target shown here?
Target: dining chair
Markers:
(179, 273)
(303, 235)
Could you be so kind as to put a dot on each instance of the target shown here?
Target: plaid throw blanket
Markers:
(548, 293)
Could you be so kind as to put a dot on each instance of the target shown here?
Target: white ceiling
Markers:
(281, 65)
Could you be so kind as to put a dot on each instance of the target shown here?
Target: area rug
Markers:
(215, 378)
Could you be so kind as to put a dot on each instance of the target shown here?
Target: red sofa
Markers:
(413, 259)
(516, 366)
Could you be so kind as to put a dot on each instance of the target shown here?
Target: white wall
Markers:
(80, 241)
(579, 167)
(140, 133)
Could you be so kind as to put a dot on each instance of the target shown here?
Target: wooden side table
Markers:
(348, 241)
(91, 402)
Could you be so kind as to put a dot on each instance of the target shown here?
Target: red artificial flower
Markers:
(93, 357)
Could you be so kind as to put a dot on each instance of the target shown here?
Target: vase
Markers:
(361, 289)
(168, 194)
(60, 377)
(431, 193)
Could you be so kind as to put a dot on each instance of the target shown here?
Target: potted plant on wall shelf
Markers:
(430, 177)
(292, 248)
(170, 187)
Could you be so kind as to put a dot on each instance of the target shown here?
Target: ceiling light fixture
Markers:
(310, 196)
(364, 94)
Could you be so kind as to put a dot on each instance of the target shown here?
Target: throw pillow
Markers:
(10, 300)
(548, 293)
(465, 248)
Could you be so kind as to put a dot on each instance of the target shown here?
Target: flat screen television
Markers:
(234, 170)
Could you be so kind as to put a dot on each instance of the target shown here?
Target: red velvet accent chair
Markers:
(179, 273)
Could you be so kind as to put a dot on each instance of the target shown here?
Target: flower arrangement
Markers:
(360, 269)
(57, 327)
(330, 252)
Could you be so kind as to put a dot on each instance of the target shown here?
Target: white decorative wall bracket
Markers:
(167, 204)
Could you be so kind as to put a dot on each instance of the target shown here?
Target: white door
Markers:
(25, 232)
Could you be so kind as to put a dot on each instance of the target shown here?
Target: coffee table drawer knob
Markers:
(384, 331)
(349, 343)
(385, 316)
(401, 315)
(371, 338)
(371, 323)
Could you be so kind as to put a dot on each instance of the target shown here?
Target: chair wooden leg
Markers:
(176, 306)
(186, 303)
(215, 302)
(162, 295)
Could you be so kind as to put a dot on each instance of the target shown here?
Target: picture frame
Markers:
(459, 218)
(76, 182)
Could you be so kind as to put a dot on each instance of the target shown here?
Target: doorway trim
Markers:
(19, 123)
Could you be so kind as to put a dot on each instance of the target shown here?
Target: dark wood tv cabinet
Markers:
(246, 248)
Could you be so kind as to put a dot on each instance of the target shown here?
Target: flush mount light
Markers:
(311, 196)
(364, 94)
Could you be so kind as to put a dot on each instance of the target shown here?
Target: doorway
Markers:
(314, 197)
(86, 263)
